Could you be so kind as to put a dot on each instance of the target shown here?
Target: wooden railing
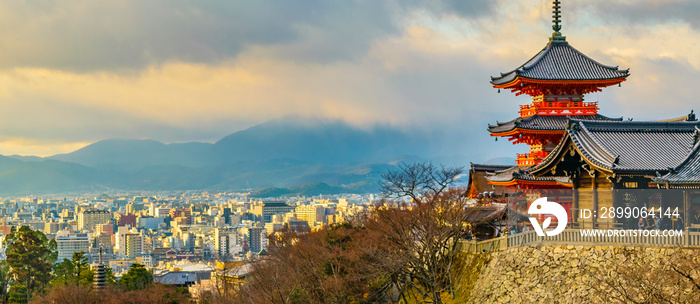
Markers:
(495, 244)
(559, 108)
(531, 159)
(574, 237)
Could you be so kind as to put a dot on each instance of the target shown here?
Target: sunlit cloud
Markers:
(181, 71)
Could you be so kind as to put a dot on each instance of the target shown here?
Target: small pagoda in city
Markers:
(557, 78)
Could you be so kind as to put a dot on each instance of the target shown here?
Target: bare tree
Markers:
(224, 287)
(419, 181)
(334, 265)
(405, 247)
(425, 231)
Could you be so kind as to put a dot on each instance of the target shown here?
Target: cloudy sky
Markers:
(74, 72)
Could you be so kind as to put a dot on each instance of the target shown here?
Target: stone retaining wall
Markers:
(581, 274)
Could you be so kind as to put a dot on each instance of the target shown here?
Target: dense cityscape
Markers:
(178, 236)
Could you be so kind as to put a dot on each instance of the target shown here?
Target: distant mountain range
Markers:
(283, 157)
(319, 143)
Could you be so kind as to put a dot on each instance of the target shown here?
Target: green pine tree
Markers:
(63, 272)
(75, 271)
(111, 279)
(137, 278)
(18, 294)
(4, 281)
(83, 274)
(30, 257)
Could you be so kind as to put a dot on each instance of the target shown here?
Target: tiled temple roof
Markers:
(477, 178)
(486, 167)
(641, 147)
(544, 122)
(688, 172)
(520, 173)
(560, 61)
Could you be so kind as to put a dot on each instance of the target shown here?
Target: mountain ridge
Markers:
(327, 142)
(279, 154)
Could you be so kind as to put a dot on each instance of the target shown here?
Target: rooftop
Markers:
(558, 60)
(275, 204)
(521, 173)
(176, 278)
(688, 172)
(627, 146)
(544, 122)
(478, 181)
(487, 167)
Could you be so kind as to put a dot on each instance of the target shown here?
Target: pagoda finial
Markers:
(556, 18)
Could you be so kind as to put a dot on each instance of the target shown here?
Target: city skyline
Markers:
(77, 72)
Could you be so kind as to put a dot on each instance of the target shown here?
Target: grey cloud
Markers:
(87, 35)
(640, 12)
(450, 95)
(472, 8)
(81, 35)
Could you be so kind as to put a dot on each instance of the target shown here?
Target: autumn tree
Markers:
(78, 294)
(404, 247)
(333, 265)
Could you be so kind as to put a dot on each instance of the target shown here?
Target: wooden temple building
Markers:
(626, 164)
(478, 182)
(572, 146)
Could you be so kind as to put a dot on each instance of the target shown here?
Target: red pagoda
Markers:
(557, 78)
(605, 161)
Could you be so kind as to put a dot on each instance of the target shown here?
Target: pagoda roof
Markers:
(484, 214)
(544, 122)
(477, 178)
(559, 61)
(521, 173)
(627, 146)
(687, 173)
(488, 167)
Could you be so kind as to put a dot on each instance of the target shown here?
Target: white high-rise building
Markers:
(120, 240)
(162, 211)
(68, 244)
(263, 240)
(226, 241)
(152, 209)
(89, 218)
